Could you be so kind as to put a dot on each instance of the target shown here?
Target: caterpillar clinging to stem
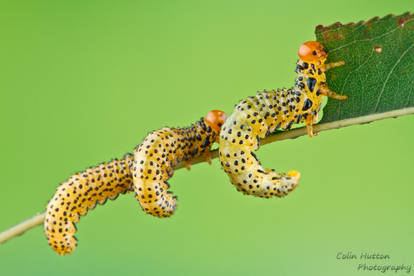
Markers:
(260, 115)
(80, 193)
(161, 150)
(146, 172)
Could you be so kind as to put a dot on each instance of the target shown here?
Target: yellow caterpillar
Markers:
(146, 172)
(80, 193)
(257, 116)
(161, 150)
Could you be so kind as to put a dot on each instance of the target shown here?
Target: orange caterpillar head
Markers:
(312, 51)
(215, 119)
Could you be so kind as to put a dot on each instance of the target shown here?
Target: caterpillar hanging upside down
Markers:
(258, 116)
(161, 150)
(145, 172)
(80, 193)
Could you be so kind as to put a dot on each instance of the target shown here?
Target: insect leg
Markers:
(187, 165)
(207, 156)
(309, 128)
(324, 90)
(331, 65)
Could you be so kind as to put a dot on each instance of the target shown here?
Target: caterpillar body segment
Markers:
(260, 115)
(161, 150)
(80, 193)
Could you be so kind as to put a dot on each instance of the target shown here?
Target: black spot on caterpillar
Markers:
(250, 119)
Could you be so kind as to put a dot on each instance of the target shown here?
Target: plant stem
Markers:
(22, 227)
(278, 136)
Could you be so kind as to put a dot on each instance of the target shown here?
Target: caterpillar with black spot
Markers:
(146, 172)
(260, 115)
(161, 150)
(80, 193)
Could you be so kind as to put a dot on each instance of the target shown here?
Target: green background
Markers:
(82, 82)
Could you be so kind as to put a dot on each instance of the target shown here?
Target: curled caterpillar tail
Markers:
(257, 116)
(238, 140)
(80, 193)
(161, 150)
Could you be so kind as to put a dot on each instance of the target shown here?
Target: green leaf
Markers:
(378, 75)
